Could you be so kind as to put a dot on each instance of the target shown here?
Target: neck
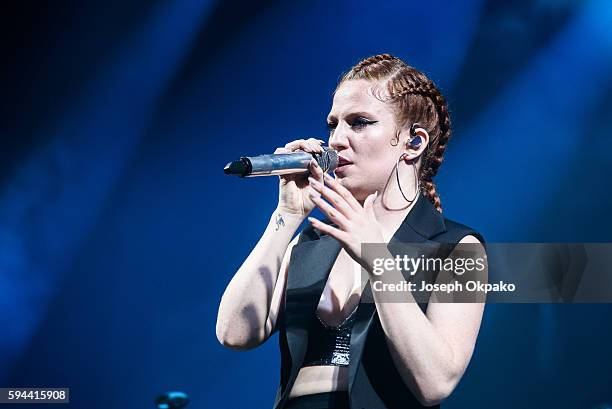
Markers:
(391, 207)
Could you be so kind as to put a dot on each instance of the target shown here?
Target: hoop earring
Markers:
(416, 179)
(396, 139)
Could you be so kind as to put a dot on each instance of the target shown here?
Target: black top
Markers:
(329, 345)
(373, 379)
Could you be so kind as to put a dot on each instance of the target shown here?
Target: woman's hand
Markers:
(357, 224)
(293, 197)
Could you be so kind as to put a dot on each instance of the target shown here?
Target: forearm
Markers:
(245, 304)
(422, 356)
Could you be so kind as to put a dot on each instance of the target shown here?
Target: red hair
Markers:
(416, 99)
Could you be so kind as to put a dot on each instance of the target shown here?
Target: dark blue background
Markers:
(119, 230)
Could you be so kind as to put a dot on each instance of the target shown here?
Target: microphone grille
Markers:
(329, 160)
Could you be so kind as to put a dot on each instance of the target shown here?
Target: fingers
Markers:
(342, 191)
(334, 198)
(332, 213)
(328, 229)
(315, 170)
(368, 204)
(311, 145)
(281, 150)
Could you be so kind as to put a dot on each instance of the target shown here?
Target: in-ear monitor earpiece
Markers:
(415, 140)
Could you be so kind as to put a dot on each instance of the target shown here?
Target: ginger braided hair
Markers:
(416, 99)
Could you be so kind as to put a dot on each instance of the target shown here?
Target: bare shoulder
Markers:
(470, 238)
(473, 243)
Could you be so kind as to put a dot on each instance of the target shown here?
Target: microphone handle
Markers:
(279, 164)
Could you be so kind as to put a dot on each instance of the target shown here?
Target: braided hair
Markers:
(416, 99)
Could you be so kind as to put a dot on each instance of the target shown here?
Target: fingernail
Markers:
(327, 176)
(311, 219)
(313, 193)
(313, 181)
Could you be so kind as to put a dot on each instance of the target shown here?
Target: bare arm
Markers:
(251, 302)
(431, 351)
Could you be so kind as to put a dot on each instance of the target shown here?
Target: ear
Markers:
(413, 151)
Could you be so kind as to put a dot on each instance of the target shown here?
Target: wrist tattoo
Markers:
(279, 221)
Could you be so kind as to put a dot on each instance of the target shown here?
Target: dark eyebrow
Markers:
(358, 114)
(352, 115)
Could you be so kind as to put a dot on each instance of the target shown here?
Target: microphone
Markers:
(281, 163)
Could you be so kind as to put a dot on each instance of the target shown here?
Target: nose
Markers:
(339, 138)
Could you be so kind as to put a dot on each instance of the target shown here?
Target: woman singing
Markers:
(390, 125)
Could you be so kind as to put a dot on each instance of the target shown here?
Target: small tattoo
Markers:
(279, 221)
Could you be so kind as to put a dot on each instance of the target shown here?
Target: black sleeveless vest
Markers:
(374, 382)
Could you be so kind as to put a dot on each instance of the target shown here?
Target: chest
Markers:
(342, 290)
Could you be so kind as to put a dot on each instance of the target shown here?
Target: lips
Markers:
(343, 163)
